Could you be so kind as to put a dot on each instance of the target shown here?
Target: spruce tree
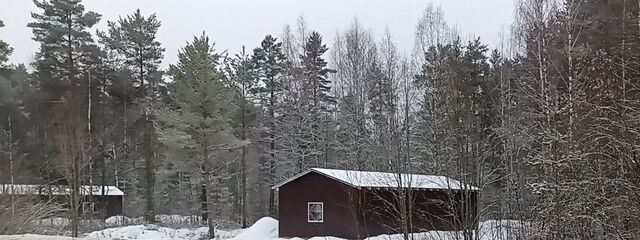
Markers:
(201, 110)
(269, 62)
(243, 76)
(430, 130)
(315, 71)
(318, 101)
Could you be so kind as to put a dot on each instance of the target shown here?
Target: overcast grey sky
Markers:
(232, 24)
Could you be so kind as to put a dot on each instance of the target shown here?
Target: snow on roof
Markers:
(365, 179)
(85, 190)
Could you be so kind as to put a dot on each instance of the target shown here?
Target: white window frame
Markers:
(91, 206)
(321, 212)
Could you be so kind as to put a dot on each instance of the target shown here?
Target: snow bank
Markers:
(265, 228)
(154, 232)
(33, 237)
(149, 232)
(489, 230)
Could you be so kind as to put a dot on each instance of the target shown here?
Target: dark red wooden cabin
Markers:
(97, 201)
(358, 204)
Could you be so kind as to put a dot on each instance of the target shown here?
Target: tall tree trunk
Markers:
(205, 180)
(243, 168)
(207, 190)
(147, 145)
(103, 148)
(149, 169)
(11, 170)
(75, 196)
(73, 132)
(203, 197)
(272, 154)
(205, 185)
(125, 147)
(89, 136)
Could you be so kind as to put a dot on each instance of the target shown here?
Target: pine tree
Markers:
(133, 38)
(457, 115)
(5, 49)
(201, 114)
(65, 42)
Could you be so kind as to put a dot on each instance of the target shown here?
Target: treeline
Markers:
(547, 124)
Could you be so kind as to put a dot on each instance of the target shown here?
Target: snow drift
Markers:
(265, 228)
(148, 232)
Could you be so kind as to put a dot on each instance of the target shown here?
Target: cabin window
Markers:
(315, 212)
(88, 207)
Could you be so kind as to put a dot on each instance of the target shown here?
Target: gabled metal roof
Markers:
(367, 179)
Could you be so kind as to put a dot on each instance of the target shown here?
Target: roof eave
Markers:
(291, 179)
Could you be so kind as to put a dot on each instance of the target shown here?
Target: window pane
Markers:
(315, 212)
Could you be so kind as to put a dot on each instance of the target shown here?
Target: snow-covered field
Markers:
(264, 229)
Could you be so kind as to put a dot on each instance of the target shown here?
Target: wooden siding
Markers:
(353, 213)
(338, 215)
(430, 210)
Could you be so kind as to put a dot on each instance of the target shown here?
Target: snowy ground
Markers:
(264, 229)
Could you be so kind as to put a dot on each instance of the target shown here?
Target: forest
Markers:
(546, 123)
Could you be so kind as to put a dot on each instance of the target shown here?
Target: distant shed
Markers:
(360, 204)
(97, 201)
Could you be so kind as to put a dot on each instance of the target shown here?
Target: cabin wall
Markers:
(114, 206)
(354, 213)
(106, 206)
(430, 210)
(339, 213)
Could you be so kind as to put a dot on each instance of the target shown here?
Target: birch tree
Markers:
(354, 54)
